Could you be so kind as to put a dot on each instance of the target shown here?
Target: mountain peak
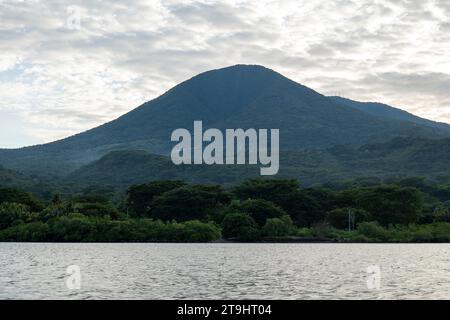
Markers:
(239, 72)
(243, 67)
(238, 96)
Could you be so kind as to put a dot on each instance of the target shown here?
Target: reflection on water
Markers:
(226, 271)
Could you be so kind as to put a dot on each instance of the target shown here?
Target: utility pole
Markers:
(351, 219)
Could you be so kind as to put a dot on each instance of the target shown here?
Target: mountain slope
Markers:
(401, 157)
(30, 182)
(126, 167)
(387, 112)
(242, 96)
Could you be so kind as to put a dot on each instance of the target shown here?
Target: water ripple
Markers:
(224, 271)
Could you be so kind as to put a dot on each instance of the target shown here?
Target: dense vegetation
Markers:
(366, 210)
(400, 157)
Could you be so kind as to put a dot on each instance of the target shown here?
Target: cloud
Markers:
(67, 66)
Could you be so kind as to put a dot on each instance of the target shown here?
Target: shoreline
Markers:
(223, 241)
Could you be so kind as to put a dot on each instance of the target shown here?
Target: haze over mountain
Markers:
(241, 96)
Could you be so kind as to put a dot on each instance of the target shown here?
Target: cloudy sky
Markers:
(67, 66)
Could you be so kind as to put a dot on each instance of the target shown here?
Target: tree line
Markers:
(408, 210)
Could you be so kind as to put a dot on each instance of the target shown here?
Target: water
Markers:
(226, 271)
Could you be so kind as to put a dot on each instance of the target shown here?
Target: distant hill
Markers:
(30, 182)
(123, 168)
(400, 157)
(242, 96)
(384, 111)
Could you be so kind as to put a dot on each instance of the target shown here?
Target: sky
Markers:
(68, 66)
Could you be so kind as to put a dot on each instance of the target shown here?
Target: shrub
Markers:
(422, 235)
(277, 227)
(196, 231)
(304, 232)
(71, 228)
(360, 238)
(441, 231)
(373, 231)
(324, 230)
(240, 226)
(35, 231)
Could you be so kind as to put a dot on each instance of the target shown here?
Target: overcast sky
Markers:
(67, 66)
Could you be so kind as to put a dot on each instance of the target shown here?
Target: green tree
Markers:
(118, 231)
(240, 226)
(97, 209)
(56, 199)
(277, 227)
(301, 205)
(18, 196)
(391, 204)
(373, 231)
(339, 218)
(196, 231)
(193, 202)
(260, 210)
(276, 191)
(140, 197)
(346, 198)
(34, 231)
(56, 210)
(304, 209)
(72, 228)
(324, 199)
(13, 213)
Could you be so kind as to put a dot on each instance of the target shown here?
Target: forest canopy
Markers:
(407, 210)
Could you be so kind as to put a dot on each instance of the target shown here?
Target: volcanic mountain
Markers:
(241, 96)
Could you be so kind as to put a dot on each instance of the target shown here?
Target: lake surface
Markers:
(225, 271)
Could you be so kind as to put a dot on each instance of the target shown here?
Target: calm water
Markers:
(226, 271)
